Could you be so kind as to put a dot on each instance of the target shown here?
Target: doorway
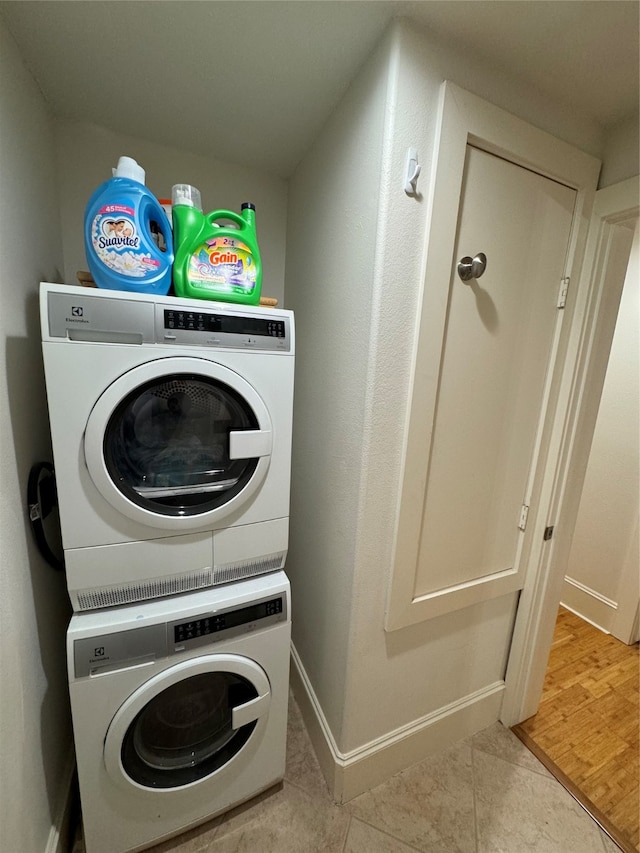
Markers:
(586, 727)
(615, 211)
(601, 580)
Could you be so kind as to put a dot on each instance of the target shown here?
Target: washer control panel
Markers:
(230, 623)
(136, 646)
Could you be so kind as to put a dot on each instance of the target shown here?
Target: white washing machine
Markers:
(171, 430)
(179, 708)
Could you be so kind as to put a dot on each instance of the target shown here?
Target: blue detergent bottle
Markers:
(127, 235)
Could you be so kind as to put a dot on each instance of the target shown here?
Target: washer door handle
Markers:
(242, 715)
(247, 444)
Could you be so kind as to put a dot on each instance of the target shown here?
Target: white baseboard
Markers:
(588, 604)
(353, 773)
(58, 841)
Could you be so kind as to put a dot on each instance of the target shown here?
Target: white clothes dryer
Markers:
(179, 709)
(171, 431)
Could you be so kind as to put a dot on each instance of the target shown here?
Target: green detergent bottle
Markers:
(213, 259)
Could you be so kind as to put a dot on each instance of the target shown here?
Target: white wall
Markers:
(331, 247)
(621, 152)
(356, 306)
(86, 154)
(602, 571)
(35, 736)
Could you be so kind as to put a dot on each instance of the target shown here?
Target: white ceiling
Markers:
(252, 81)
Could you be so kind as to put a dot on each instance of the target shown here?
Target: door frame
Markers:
(466, 119)
(592, 331)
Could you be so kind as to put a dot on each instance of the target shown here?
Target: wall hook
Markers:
(412, 172)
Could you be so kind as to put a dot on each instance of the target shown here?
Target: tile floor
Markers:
(486, 794)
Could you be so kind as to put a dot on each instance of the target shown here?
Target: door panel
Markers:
(480, 432)
(498, 338)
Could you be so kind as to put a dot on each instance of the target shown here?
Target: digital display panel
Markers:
(201, 321)
(205, 625)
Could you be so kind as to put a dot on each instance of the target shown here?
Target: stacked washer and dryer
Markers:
(171, 429)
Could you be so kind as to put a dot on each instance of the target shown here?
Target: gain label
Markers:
(224, 263)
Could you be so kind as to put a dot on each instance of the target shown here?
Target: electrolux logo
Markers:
(99, 656)
(77, 315)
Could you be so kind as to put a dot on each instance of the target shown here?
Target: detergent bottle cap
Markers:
(187, 195)
(128, 168)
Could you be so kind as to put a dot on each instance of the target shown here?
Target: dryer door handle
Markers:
(247, 444)
(242, 715)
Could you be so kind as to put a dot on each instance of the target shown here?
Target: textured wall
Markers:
(331, 246)
(35, 736)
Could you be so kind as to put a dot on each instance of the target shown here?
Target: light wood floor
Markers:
(587, 725)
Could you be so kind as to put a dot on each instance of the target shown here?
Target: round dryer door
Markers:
(188, 722)
(178, 442)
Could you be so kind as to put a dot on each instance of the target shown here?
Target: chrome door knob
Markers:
(470, 268)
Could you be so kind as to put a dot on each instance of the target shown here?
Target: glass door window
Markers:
(166, 445)
(185, 733)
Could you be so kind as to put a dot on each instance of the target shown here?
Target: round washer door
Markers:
(188, 722)
(178, 442)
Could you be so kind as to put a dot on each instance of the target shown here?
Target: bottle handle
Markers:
(152, 211)
(225, 214)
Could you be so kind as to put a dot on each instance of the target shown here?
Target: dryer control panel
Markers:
(136, 646)
(223, 329)
(83, 315)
